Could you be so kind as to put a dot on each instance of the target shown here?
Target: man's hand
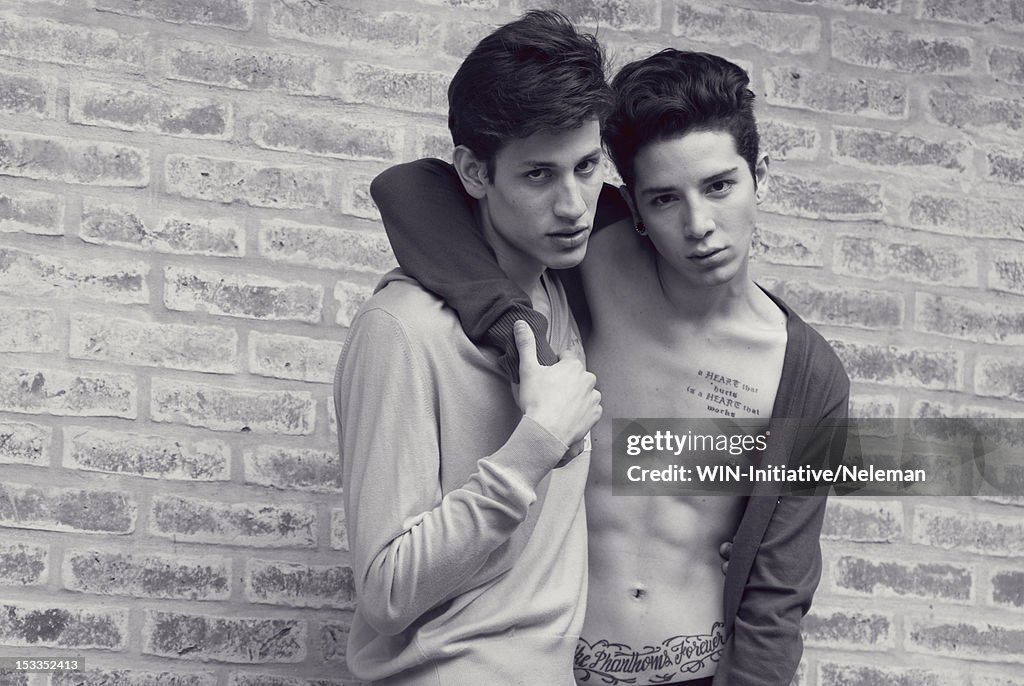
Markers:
(562, 397)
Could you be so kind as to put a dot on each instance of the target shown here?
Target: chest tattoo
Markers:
(724, 395)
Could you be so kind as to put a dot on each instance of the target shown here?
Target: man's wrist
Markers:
(531, 451)
(502, 333)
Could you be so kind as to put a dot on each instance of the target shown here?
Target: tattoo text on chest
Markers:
(619, 663)
(724, 395)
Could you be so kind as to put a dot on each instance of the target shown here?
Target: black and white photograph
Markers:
(459, 342)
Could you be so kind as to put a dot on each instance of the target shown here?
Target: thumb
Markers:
(527, 346)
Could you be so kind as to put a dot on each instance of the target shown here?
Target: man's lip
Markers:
(571, 232)
(705, 254)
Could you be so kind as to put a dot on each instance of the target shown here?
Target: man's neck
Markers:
(523, 270)
(523, 273)
(702, 304)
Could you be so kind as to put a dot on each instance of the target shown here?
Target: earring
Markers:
(640, 228)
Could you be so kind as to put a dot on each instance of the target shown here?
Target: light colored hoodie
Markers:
(469, 554)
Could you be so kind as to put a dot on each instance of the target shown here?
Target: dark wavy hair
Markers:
(534, 74)
(675, 92)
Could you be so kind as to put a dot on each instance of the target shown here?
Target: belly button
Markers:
(639, 593)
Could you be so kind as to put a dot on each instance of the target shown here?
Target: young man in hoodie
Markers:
(464, 502)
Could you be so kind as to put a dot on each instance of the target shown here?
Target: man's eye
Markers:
(661, 200)
(720, 187)
(587, 166)
(538, 174)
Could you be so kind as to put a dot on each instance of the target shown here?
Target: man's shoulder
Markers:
(403, 320)
(401, 298)
(820, 353)
(815, 356)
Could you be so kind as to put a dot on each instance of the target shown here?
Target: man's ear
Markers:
(628, 197)
(472, 171)
(638, 223)
(761, 177)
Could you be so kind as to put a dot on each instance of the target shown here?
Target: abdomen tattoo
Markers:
(618, 663)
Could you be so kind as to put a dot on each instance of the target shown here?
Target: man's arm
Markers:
(414, 548)
(429, 220)
(766, 644)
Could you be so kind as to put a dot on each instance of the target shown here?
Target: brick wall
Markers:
(186, 232)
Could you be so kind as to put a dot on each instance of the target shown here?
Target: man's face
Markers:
(696, 197)
(538, 210)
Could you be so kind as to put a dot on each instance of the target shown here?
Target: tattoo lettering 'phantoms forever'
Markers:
(618, 663)
(724, 395)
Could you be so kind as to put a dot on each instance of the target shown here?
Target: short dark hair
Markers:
(673, 93)
(534, 74)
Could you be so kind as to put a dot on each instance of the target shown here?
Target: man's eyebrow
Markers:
(705, 181)
(719, 176)
(596, 152)
(657, 191)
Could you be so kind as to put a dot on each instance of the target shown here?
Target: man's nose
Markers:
(570, 204)
(699, 220)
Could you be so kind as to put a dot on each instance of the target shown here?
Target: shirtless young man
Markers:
(674, 308)
(464, 504)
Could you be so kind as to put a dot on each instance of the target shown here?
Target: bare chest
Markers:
(699, 377)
